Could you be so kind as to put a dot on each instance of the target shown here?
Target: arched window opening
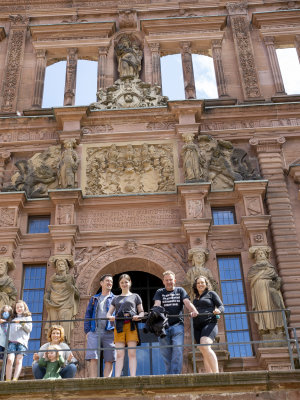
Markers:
(54, 85)
(205, 78)
(172, 77)
(86, 82)
(290, 69)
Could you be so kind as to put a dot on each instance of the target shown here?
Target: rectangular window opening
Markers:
(236, 325)
(38, 223)
(33, 295)
(223, 215)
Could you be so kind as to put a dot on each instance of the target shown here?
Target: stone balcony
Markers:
(252, 385)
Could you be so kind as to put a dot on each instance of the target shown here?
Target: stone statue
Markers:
(129, 56)
(190, 157)
(8, 292)
(68, 165)
(62, 296)
(198, 256)
(265, 291)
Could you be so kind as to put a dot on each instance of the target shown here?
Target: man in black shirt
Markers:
(173, 299)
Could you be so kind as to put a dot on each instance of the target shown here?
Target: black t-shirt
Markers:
(206, 303)
(172, 302)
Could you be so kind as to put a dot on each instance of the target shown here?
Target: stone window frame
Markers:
(166, 36)
(223, 209)
(81, 40)
(278, 29)
(32, 218)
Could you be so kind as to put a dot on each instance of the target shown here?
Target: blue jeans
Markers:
(68, 371)
(173, 356)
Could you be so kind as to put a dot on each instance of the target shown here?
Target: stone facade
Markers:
(129, 181)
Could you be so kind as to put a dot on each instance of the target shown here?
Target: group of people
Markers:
(112, 322)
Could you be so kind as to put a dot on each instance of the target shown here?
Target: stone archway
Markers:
(126, 258)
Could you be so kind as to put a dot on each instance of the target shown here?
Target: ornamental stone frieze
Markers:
(143, 168)
(215, 161)
(129, 91)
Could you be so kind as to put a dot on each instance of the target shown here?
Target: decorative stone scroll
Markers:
(53, 168)
(129, 91)
(145, 168)
(215, 161)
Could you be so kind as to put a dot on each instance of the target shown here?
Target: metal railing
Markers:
(290, 338)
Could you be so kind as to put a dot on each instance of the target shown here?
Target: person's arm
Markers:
(88, 315)
(67, 353)
(157, 303)
(218, 304)
(26, 326)
(110, 312)
(190, 306)
(157, 298)
(42, 362)
(140, 313)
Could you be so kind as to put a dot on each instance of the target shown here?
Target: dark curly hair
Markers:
(208, 285)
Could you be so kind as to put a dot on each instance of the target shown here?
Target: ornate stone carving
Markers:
(130, 169)
(265, 291)
(130, 246)
(8, 292)
(198, 256)
(161, 126)
(62, 296)
(7, 216)
(242, 39)
(12, 73)
(194, 209)
(68, 165)
(127, 19)
(48, 170)
(215, 161)
(65, 214)
(188, 72)
(70, 87)
(129, 91)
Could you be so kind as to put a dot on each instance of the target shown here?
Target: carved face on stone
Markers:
(199, 258)
(3, 268)
(260, 255)
(61, 266)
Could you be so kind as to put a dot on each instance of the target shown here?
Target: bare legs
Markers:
(120, 358)
(18, 366)
(209, 357)
(93, 371)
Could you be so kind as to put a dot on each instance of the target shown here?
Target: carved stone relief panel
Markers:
(128, 168)
(65, 214)
(8, 216)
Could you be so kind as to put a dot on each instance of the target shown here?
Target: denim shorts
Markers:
(14, 347)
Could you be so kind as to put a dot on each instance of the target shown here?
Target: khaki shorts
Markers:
(126, 336)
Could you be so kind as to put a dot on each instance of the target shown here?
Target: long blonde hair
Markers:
(26, 312)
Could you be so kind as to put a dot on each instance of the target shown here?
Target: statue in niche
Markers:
(8, 292)
(62, 296)
(68, 165)
(198, 256)
(207, 145)
(129, 56)
(265, 292)
(191, 159)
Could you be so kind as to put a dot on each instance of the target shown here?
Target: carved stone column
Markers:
(297, 45)
(4, 157)
(70, 85)
(276, 73)
(156, 69)
(195, 224)
(40, 69)
(101, 75)
(217, 57)
(188, 71)
(283, 228)
(244, 50)
(13, 63)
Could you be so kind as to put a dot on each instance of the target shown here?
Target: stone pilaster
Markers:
(70, 85)
(40, 69)
(217, 57)
(156, 69)
(14, 62)
(64, 232)
(102, 61)
(4, 158)
(286, 244)
(276, 73)
(188, 71)
(195, 224)
(297, 45)
(244, 50)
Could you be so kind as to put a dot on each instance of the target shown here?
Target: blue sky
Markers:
(172, 78)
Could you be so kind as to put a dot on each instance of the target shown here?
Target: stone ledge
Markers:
(88, 388)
